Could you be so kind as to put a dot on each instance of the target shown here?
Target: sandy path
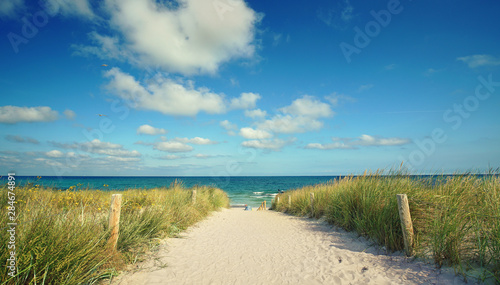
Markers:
(248, 247)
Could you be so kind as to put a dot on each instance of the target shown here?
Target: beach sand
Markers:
(234, 246)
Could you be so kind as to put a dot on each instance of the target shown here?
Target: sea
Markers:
(250, 190)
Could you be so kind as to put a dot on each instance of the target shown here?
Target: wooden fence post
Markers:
(265, 207)
(193, 197)
(277, 200)
(406, 223)
(114, 218)
(289, 201)
(312, 204)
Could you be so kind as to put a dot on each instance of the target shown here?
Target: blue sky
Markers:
(227, 87)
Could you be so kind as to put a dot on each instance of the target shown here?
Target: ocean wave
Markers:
(258, 193)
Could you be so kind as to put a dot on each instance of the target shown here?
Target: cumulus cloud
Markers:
(150, 130)
(255, 114)
(13, 114)
(173, 97)
(245, 101)
(195, 36)
(287, 124)
(308, 106)
(54, 153)
(363, 140)
(269, 144)
(19, 139)
(477, 60)
(229, 127)
(172, 146)
(196, 140)
(70, 115)
(301, 116)
(250, 133)
(165, 96)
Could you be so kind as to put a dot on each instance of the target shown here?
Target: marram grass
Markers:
(62, 236)
(456, 219)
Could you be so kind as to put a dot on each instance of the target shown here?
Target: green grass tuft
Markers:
(62, 236)
(456, 218)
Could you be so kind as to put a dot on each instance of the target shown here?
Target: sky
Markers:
(235, 88)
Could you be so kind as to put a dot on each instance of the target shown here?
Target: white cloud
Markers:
(245, 101)
(202, 156)
(477, 60)
(13, 114)
(150, 130)
(255, 114)
(99, 147)
(122, 159)
(171, 157)
(286, 124)
(70, 115)
(173, 97)
(367, 140)
(274, 144)
(173, 146)
(108, 47)
(165, 95)
(301, 116)
(70, 8)
(196, 36)
(336, 145)
(308, 106)
(54, 154)
(250, 133)
(363, 140)
(229, 127)
(196, 140)
(8, 8)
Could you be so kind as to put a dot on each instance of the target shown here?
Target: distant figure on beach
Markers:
(281, 191)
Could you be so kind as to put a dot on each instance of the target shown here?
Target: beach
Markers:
(234, 246)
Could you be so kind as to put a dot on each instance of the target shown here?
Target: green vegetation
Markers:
(62, 236)
(456, 219)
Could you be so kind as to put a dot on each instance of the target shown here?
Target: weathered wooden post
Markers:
(312, 204)
(406, 223)
(265, 207)
(289, 201)
(193, 197)
(114, 218)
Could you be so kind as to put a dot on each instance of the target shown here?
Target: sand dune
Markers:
(249, 247)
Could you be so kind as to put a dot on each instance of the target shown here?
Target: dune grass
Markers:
(62, 236)
(456, 218)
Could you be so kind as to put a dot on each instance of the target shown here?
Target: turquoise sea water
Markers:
(249, 190)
